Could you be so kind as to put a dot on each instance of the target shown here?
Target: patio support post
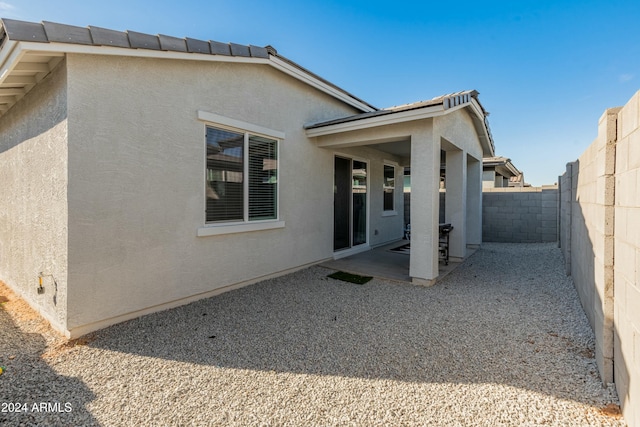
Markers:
(455, 202)
(474, 202)
(425, 180)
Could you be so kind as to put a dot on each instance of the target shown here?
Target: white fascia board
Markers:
(477, 109)
(387, 119)
(49, 48)
(512, 168)
(479, 113)
(318, 84)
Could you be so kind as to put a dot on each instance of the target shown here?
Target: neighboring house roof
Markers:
(29, 51)
(504, 167)
(417, 110)
(507, 168)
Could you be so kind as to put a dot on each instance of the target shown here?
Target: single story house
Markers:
(140, 172)
(500, 172)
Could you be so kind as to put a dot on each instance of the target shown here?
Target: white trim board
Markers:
(240, 125)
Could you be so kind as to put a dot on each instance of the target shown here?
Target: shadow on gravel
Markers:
(507, 315)
(31, 393)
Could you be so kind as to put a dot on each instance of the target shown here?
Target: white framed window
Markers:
(389, 188)
(241, 176)
(232, 156)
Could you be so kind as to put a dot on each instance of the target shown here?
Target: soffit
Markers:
(28, 69)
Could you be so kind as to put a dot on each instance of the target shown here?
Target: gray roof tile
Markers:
(218, 48)
(259, 52)
(447, 101)
(67, 33)
(239, 50)
(198, 46)
(172, 43)
(143, 41)
(24, 31)
(106, 37)
(35, 32)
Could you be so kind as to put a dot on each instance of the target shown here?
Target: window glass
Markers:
(359, 191)
(389, 185)
(263, 178)
(225, 188)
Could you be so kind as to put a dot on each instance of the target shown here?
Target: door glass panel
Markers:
(341, 203)
(359, 191)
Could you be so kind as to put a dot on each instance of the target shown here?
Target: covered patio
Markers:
(384, 263)
(452, 128)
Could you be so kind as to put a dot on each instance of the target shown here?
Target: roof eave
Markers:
(448, 105)
(382, 120)
(8, 60)
(479, 117)
(289, 67)
(12, 51)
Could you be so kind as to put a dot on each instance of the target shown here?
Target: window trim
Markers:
(234, 125)
(216, 229)
(239, 125)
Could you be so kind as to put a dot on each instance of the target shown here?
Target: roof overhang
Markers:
(502, 165)
(412, 112)
(30, 51)
(374, 121)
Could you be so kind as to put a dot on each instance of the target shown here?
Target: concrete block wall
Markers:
(600, 241)
(564, 217)
(590, 246)
(626, 271)
(520, 214)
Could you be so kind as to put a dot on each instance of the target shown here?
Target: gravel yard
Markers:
(502, 340)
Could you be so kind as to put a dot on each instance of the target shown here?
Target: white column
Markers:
(455, 202)
(425, 179)
(474, 202)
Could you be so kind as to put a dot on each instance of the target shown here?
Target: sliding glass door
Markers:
(349, 203)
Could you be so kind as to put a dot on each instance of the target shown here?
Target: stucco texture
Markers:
(136, 181)
(33, 190)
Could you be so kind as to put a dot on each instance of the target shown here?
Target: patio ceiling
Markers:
(397, 148)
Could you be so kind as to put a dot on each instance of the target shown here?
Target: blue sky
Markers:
(545, 70)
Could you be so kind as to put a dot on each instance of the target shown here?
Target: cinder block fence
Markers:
(600, 241)
(513, 214)
(520, 214)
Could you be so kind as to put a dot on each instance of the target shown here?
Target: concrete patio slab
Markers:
(383, 263)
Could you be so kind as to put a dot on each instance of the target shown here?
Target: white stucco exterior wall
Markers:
(425, 204)
(463, 210)
(456, 202)
(474, 202)
(136, 182)
(33, 177)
